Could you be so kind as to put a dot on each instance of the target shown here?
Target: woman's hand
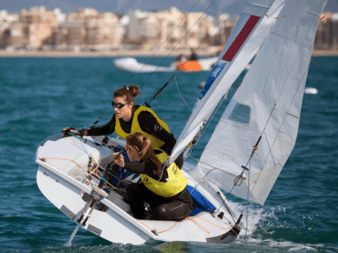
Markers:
(119, 160)
(79, 132)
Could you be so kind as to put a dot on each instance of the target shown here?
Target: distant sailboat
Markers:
(244, 156)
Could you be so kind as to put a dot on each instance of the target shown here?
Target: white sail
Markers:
(248, 35)
(268, 104)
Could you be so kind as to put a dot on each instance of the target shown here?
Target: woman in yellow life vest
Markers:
(164, 189)
(130, 118)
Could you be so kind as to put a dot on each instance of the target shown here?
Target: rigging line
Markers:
(97, 121)
(222, 19)
(184, 18)
(218, 193)
(208, 122)
(160, 91)
(299, 85)
(180, 93)
(179, 42)
(267, 141)
(240, 176)
(213, 168)
(97, 177)
(263, 131)
(316, 62)
(169, 52)
(175, 73)
(200, 181)
(247, 206)
(217, 26)
(226, 92)
(83, 148)
(239, 87)
(226, 206)
(65, 159)
(211, 223)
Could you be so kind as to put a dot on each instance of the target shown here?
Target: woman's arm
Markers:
(109, 128)
(142, 167)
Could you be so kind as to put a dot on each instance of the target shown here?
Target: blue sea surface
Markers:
(40, 96)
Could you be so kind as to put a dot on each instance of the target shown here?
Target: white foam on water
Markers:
(258, 215)
(310, 90)
(255, 216)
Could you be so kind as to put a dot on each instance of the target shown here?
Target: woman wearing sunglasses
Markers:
(162, 187)
(130, 118)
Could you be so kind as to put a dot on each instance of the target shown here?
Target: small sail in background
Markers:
(267, 104)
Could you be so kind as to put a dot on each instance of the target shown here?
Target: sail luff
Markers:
(244, 42)
(273, 86)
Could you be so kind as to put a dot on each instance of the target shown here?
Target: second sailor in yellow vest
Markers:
(176, 180)
(164, 189)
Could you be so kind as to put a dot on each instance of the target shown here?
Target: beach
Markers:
(125, 53)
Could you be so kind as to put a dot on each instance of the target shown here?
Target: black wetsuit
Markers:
(148, 124)
(173, 208)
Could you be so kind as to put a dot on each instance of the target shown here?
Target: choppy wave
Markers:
(40, 96)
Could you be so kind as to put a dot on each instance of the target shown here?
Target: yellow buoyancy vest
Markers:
(175, 184)
(135, 127)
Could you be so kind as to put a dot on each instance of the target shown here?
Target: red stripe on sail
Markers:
(241, 38)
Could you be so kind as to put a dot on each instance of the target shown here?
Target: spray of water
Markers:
(256, 214)
(267, 216)
(69, 243)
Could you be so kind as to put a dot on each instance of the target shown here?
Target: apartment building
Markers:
(169, 28)
(70, 34)
(327, 32)
(105, 32)
(6, 19)
(89, 29)
(36, 26)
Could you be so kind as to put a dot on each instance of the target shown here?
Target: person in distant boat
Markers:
(180, 58)
(162, 187)
(130, 118)
(193, 55)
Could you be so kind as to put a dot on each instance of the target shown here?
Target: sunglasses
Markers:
(118, 105)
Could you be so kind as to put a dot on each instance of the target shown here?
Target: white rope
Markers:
(270, 150)
(181, 93)
(247, 206)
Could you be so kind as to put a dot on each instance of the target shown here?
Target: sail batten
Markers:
(267, 105)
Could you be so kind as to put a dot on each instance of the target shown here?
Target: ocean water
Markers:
(40, 96)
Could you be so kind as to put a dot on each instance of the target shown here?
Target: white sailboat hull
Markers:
(116, 224)
(130, 64)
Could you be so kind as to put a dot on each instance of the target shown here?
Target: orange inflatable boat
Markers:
(189, 66)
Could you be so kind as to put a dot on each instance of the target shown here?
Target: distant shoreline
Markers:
(129, 53)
